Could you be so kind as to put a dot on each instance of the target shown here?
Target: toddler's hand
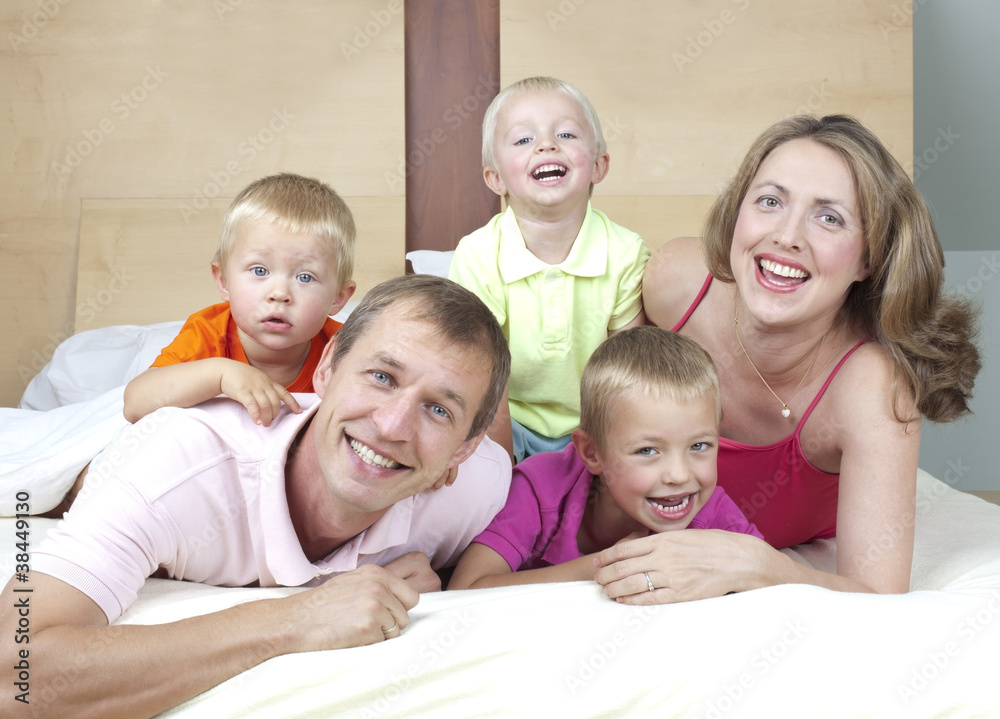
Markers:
(252, 388)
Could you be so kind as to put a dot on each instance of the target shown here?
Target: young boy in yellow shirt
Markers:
(557, 273)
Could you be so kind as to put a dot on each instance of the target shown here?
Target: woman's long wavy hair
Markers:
(929, 335)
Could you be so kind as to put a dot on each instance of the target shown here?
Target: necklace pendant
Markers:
(786, 413)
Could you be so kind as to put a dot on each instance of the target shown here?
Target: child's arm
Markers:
(190, 383)
(481, 566)
(640, 319)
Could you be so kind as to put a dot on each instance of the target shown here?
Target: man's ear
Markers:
(494, 181)
(342, 298)
(321, 375)
(465, 450)
(220, 281)
(589, 452)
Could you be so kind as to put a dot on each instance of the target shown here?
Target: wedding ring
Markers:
(649, 582)
(391, 629)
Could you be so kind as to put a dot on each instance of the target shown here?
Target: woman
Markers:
(824, 314)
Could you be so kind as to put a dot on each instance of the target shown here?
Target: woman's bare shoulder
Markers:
(673, 276)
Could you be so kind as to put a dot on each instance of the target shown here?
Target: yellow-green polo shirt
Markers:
(554, 316)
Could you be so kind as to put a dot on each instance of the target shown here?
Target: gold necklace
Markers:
(785, 412)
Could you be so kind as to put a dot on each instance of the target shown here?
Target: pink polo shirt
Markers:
(200, 494)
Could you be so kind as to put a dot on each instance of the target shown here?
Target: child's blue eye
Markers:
(259, 271)
(566, 136)
(700, 446)
(523, 141)
(305, 278)
(646, 452)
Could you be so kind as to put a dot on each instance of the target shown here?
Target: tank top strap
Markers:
(822, 390)
(694, 305)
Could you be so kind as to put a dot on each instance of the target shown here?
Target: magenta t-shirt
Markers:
(548, 492)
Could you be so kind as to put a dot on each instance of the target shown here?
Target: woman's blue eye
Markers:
(830, 219)
(769, 202)
(259, 271)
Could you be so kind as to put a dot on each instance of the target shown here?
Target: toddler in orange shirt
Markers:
(283, 266)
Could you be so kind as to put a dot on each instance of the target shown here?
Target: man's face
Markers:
(396, 411)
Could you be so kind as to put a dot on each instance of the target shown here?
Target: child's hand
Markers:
(252, 388)
(415, 569)
(446, 479)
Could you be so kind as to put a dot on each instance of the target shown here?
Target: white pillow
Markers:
(430, 262)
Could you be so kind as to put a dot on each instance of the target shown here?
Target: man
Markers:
(408, 388)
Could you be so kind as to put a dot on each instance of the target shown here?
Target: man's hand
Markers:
(252, 388)
(363, 606)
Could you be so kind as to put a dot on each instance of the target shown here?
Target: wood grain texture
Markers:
(452, 74)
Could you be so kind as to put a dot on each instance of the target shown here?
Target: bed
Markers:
(563, 649)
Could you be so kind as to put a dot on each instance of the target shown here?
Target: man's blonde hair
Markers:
(296, 204)
(640, 361)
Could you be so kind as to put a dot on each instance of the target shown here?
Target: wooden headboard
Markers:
(144, 261)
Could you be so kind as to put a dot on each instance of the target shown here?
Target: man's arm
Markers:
(80, 667)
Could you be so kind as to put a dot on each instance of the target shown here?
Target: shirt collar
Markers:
(587, 258)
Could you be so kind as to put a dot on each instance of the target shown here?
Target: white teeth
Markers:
(675, 508)
(782, 270)
(549, 168)
(368, 455)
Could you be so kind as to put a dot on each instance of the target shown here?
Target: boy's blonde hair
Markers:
(640, 361)
(537, 85)
(297, 204)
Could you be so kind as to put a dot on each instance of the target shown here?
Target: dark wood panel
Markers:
(452, 74)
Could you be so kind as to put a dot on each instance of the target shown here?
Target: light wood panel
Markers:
(187, 100)
(142, 261)
(683, 87)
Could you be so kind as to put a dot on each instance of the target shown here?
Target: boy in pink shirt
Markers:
(642, 463)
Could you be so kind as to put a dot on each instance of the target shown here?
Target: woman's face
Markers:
(799, 244)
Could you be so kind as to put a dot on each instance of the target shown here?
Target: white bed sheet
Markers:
(564, 650)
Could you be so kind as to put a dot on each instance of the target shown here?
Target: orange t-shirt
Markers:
(211, 332)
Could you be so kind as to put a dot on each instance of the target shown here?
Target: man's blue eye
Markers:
(439, 410)
(380, 377)
(259, 271)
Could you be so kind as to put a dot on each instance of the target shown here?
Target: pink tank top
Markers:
(777, 488)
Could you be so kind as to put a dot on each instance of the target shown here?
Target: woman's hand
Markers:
(681, 565)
